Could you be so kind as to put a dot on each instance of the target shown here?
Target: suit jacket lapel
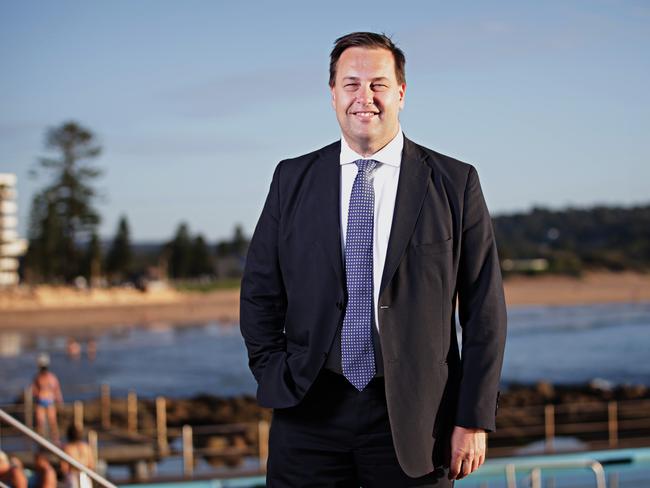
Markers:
(327, 191)
(411, 189)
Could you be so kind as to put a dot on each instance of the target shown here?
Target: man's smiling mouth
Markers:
(365, 115)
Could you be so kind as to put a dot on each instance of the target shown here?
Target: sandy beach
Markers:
(64, 307)
(592, 288)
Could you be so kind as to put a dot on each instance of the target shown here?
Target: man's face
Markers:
(367, 98)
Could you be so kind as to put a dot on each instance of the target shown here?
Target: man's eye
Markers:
(351, 85)
(379, 86)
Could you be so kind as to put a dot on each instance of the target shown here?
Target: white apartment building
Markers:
(11, 247)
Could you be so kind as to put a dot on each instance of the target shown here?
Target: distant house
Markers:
(536, 265)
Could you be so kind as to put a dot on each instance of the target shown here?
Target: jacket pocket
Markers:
(437, 247)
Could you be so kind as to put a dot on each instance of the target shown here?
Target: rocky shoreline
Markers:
(543, 393)
(211, 410)
(227, 430)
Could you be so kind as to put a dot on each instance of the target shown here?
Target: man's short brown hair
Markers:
(368, 40)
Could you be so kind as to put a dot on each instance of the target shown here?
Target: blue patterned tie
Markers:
(357, 351)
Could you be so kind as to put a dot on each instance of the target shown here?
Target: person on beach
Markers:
(46, 391)
(79, 450)
(45, 475)
(361, 255)
(10, 475)
(91, 349)
(73, 348)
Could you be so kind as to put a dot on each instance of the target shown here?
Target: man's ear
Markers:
(333, 98)
(402, 92)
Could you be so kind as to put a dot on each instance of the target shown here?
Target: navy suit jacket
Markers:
(441, 253)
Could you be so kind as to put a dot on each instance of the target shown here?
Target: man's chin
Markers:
(364, 134)
(359, 140)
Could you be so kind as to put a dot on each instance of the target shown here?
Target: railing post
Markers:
(28, 404)
(132, 412)
(78, 414)
(536, 478)
(161, 425)
(549, 427)
(612, 416)
(599, 473)
(106, 406)
(263, 442)
(188, 451)
(511, 476)
(93, 442)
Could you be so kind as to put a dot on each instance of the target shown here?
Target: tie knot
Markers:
(366, 165)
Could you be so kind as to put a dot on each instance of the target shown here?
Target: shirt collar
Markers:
(390, 154)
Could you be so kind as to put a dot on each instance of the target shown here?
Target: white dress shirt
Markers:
(384, 181)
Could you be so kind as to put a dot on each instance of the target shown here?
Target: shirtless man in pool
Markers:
(47, 394)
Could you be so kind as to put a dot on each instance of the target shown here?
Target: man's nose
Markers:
(365, 95)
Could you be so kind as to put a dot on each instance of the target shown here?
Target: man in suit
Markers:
(361, 254)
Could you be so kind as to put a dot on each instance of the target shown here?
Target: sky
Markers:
(195, 102)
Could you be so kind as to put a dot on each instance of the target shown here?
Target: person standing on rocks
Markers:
(46, 391)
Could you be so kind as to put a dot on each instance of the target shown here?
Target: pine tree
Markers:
(120, 255)
(235, 247)
(92, 262)
(200, 261)
(66, 203)
(180, 252)
(44, 258)
(239, 242)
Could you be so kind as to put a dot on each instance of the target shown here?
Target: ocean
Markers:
(568, 344)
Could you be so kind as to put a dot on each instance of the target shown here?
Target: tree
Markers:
(44, 259)
(180, 251)
(200, 260)
(235, 247)
(239, 242)
(120, 255)
(92, 262)
(68, 199)
(573, 240)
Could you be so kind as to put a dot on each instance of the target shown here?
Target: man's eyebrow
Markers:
(355, 78)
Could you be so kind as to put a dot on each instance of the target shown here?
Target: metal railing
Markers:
(596, 425)
(54, 449)
(611, 424)
(534, 468)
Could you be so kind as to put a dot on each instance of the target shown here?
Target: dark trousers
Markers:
(338, 437)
